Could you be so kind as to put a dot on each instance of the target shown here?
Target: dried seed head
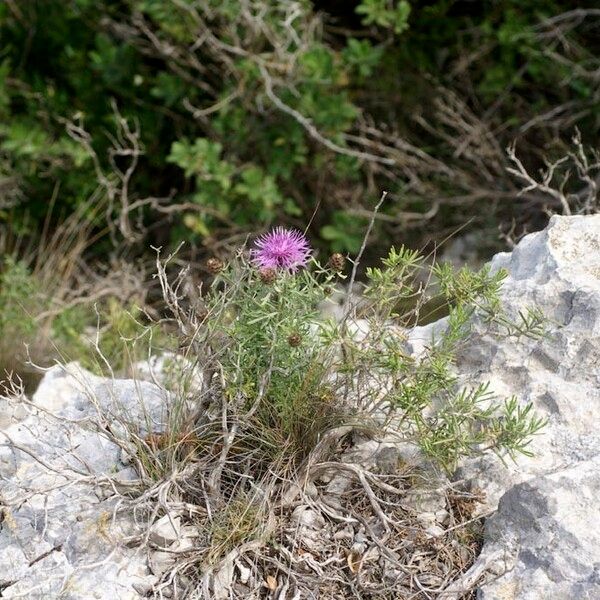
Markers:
(214, 265)
(337, 262)
(268, 275)
(295, 339)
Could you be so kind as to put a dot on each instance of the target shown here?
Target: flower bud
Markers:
(295, 339)
(268, 275)
(337, 262)
(214, 265)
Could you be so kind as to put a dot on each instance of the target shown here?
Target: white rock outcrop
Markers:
(545, 527)
(60, 533)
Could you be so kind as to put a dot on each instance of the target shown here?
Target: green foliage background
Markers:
(432, 91)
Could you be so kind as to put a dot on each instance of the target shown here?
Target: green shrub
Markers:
(287, 375)
(281, 391)
(239, 118)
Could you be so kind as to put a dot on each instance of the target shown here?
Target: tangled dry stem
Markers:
(367, 542)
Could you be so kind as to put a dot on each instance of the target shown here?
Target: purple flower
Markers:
(281, 249)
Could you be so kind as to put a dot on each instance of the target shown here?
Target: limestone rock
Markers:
(61, 532)
(547, 503)
(166, 530)
(546, 528)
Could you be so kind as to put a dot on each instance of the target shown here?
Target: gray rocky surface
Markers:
(547, 532)
(545, 528)
(60, 533)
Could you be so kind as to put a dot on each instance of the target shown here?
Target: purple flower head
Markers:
(281, 249)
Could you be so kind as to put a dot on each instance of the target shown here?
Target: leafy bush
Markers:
(206, 118)
(287, 374)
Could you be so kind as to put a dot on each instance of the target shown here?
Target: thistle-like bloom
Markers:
(281, 249)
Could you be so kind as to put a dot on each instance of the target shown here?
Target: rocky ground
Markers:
(64, 480)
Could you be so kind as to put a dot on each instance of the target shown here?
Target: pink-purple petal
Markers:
(281, 249)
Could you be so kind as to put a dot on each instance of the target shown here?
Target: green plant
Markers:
(469, 418)
(385, 14)
(202, 120)
(273, 365)
(31, 317)
(239, 522)
(288, 374)
(21, 302)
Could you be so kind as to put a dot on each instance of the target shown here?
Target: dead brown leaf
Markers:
(354, 561)
(271, 582)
